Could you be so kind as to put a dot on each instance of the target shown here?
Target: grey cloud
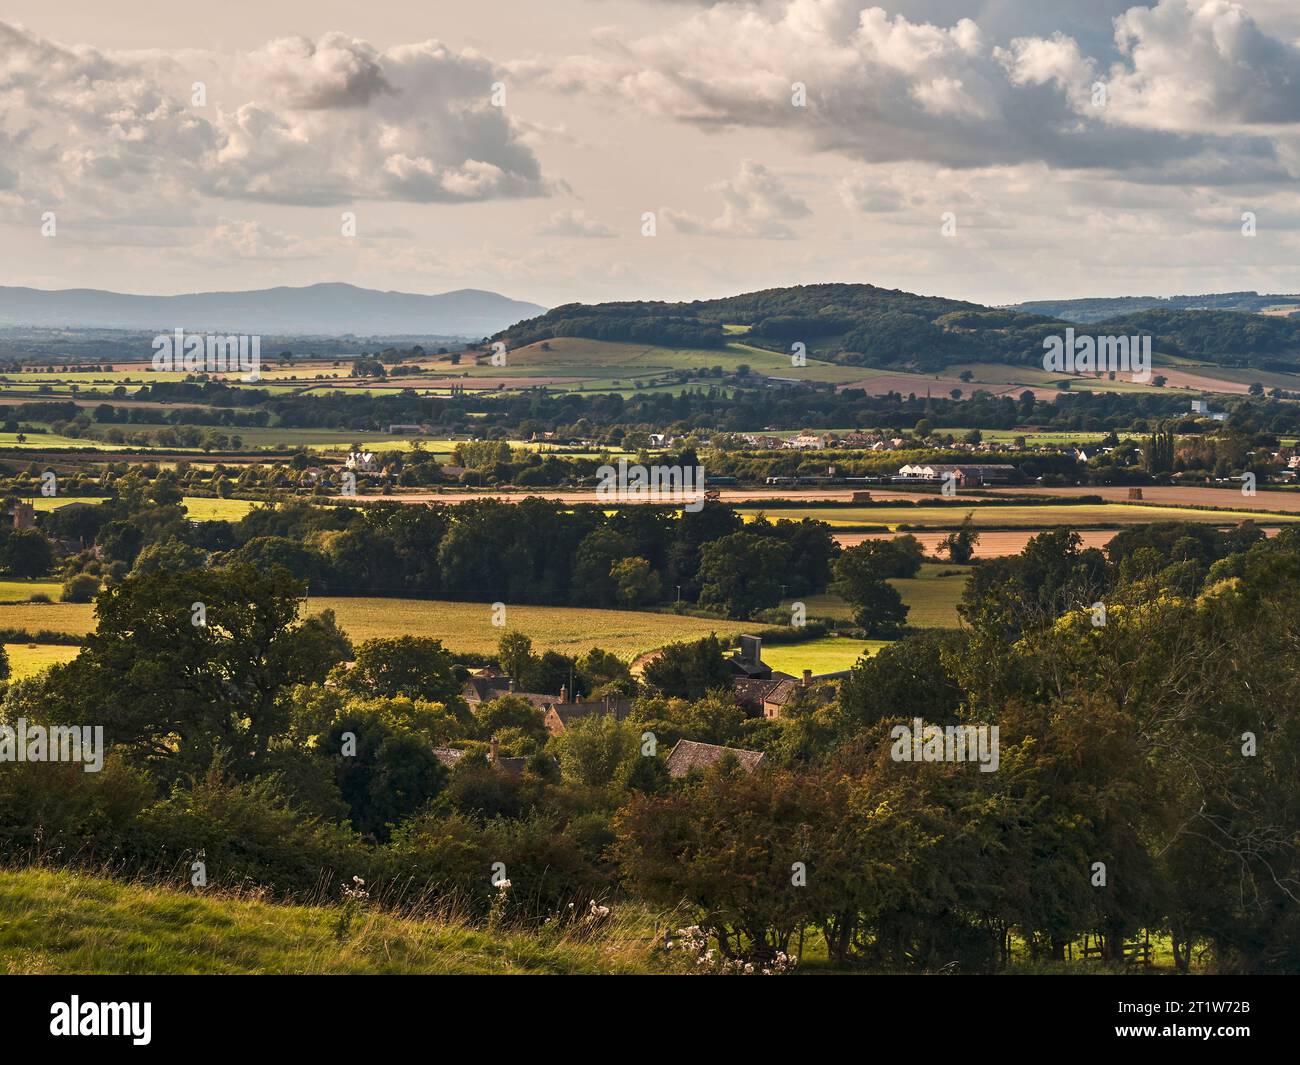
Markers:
(884, 88)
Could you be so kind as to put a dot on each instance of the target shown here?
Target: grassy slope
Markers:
(60, 922)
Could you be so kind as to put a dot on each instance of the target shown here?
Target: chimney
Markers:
(492, 750)
(807, 677)
(564, 693)
(510, 687)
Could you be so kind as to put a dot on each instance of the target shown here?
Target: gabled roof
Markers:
(542, 702)
(688, 755)
(570, 712)
(787, 691)
(752, 691)
(485, 689)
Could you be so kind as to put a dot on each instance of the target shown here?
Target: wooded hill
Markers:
(863, 325)
(1098, 309)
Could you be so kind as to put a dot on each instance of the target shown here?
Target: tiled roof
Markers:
(485, 689)
(568, 712)
(750, 693)
(688, 755)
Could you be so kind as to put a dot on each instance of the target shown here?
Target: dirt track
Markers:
(994, 543)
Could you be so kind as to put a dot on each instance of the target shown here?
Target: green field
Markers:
(1007, 436)
(59, 922)
(1015, 517)
(827, 655)
(931, 597)
(19, 591)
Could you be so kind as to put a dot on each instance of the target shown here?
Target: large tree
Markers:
(183, 663)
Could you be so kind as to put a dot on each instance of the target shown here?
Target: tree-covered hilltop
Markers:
(1099, 309)
(863, 325)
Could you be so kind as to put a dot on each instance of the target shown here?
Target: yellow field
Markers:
(460, 626)
(27, 659)
(198, 507)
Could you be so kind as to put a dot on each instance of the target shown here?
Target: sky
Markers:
(589, 150)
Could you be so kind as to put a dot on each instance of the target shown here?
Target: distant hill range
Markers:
(316, 310)
(1097, 310)
(862, 325)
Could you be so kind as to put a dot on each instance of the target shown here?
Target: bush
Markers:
(80, 589)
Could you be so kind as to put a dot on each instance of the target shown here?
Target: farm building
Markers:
(967, 476)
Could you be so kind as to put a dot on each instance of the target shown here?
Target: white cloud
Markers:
(754, 204)
(326, 122)
(573, 223)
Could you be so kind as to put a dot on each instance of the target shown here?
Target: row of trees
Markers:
(534, 551)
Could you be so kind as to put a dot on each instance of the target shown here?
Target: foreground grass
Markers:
(54, 922)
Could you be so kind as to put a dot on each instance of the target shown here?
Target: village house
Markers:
(561, 715)
(484, 685)
(763, 691)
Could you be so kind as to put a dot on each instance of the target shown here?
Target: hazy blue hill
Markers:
(322, 309)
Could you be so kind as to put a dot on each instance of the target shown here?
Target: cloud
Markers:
(305, 75)
(243, 239)
(754, 204)
(874, 190)
(573, 223)
(885, 88)
(1199, 63)
(327, 122)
